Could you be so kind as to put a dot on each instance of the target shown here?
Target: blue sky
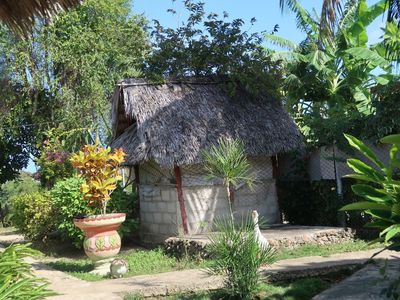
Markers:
(266, 12)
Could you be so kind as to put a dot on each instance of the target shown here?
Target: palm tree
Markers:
(329, 78)
(332, 9)
(19, 14)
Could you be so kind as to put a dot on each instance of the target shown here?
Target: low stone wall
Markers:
(181, 248)
(197, 247)
(326, 237)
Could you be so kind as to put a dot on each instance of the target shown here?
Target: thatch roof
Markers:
(172, 123)
(19, 14)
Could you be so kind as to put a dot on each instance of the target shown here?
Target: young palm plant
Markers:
(227, 161)
(238, 257)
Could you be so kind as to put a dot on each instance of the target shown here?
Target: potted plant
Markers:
(98, 166)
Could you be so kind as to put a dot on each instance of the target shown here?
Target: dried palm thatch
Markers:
(172, 123)
(19, 14)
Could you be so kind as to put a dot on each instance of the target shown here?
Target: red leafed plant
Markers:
(98, 166)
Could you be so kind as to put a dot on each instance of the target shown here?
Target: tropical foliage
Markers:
(98, 166)
(238, 256)
(380, 189)
(328, 79)
(17, 281)
(227, 161)
(63, 75)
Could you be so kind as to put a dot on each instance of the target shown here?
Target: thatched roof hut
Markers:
(171, 123)
(163, 128)
(19, 14)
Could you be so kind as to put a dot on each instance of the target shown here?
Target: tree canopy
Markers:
(63, 75)
(208, 44)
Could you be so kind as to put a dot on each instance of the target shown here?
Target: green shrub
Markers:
(33, 215)
(238, 256)
(22, 185)
(68, 203)
(16, 279)
(123, 202)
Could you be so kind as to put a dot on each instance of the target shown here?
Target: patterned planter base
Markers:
(102, 240)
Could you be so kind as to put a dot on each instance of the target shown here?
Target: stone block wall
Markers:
(204, 201)
(159, 211)
(322, 166)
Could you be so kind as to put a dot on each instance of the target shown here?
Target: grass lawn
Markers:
(301, 289)
(140, 262)
(155, 261)
(325, 250)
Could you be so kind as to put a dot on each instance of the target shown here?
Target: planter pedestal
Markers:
(102, 241)
(102, 267)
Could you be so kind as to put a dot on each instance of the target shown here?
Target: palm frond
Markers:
(393, 11)
(360, 53)
(228, 161)
(331, 10)
(20, 15)
(281, 42)
(287, 56)
(318, 59)
(390, 47)
(304, 20)
(349, 13)
(371, 13)
(292, 81)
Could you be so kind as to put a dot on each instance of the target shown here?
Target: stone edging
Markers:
(181, 247)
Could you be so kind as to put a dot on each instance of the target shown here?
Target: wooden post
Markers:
(137, 183)
(181, 200)
(275, 170)
(274, 161)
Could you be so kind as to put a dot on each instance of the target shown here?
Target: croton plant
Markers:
(98, 166)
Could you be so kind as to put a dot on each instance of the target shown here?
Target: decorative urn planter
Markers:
(102, 240)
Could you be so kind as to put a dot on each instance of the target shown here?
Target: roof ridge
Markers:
(201, 80)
